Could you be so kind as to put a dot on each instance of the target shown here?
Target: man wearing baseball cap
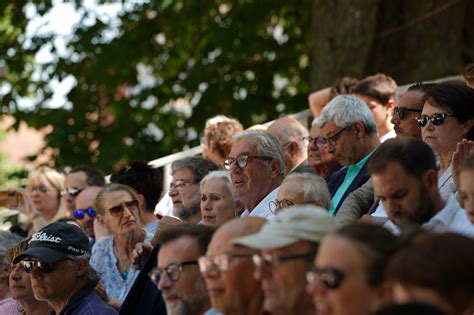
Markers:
(57, 257)
(288, 244)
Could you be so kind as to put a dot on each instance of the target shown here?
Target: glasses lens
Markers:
(320, 142)
(242, 160)
(331, 278)
(78, 214)
(228, 163)
(173, 272)
(44, 267)
(399, 112)
(154, 275)
(27, 266)
(116, 210)
(422, 121)
(91, 212)
(132, 205)
(437, 119)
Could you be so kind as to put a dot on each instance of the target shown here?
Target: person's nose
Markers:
(395, 120)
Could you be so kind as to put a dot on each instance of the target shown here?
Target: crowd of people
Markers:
(368, 211)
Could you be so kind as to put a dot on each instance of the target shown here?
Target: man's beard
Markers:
(424, 209)
(188, 211)
(193, 305)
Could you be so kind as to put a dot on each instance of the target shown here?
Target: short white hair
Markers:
(224, 175)
(346, 110)
(314, 188)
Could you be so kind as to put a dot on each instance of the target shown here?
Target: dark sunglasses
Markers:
(130, 205)
(79, 213)
(40, 266)
(72, 191)
(402, 112)
(436, 119)
(330, 277)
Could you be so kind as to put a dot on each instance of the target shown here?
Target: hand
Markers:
(463, 150)
(140, 255)
(25, 204)
(100, 231)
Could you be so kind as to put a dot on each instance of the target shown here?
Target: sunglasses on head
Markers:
(79, 213)
(330, 277)
(436, 119)
(402, 112)
(40, 266)
(130, 205)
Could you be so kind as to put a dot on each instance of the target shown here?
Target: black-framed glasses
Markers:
(71, 191)
(79, 213)
(219, 263)
(273, 261)
(180, 183)
(402, 112)
(332, 140)
(173, 271)
(40, 266)
(118, 209)
(40, 190)
(318, 142)
(436, 119)
(330, 277)
(243, 159)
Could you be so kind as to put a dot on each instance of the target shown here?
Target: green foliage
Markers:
(218, 57)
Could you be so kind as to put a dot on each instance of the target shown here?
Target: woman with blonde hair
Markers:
(117, 209)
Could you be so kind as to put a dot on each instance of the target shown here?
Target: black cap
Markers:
(53, 242)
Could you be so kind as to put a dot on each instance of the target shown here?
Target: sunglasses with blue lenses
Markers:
(79, 213)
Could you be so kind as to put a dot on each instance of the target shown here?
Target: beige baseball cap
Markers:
(299, 223)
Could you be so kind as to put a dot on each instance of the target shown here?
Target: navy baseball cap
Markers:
(55, 241)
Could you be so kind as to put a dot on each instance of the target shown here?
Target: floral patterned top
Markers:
(103, 260)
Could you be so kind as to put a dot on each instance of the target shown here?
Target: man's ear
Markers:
(82, 267)
(431, 179)
(141, 201)
(466, 126)
(275, 168)
(390, 105)
(359, 129)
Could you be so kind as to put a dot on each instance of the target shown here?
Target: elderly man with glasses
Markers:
(256, 166)
(228, 269)
(58, 259)
(351, 135)
(177, 274)
(288, 244)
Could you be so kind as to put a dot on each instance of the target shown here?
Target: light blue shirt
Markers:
(352, 171)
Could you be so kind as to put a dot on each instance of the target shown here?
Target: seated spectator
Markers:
(148, 183)
(7, 241)
(20, 286)
(319, 158)
(405, 178)
(57, 258)
(351, 135)
(256, 166)
(301, 189)
(288, 245)
(447, 118)
(348, 277)
(177, 274)
(466, 187)
(218, 201)
(291, 133)
(228, 269)
(117, 209)
(469, 75)
(41, 201)
(436, 269)
(217, 140)
(379, 91)
(77, 179)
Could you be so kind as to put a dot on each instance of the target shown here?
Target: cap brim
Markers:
(41, 253)
(265, 241)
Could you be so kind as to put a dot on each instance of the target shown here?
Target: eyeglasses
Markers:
(130, 205)
(333, 139)
(219, 263)
(79, 213)
(318, 142)
(180, 183)
(243, 159)
(275, 260)
(40, 266)
(436, 119)
(401, 112)
(173, 271)
(72, 191)
(330, 277)
(277, 205)
(40, 190)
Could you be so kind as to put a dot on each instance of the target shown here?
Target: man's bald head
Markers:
(234, 228)
(290, 133)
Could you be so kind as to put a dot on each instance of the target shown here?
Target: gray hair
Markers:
(346, 110)
(91, 276)
(314, 188)
(8, 240)
(224, 175)
(267, 145)
(198, 165)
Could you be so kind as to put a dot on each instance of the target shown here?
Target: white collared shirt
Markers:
(389, 135)
(263, 208)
